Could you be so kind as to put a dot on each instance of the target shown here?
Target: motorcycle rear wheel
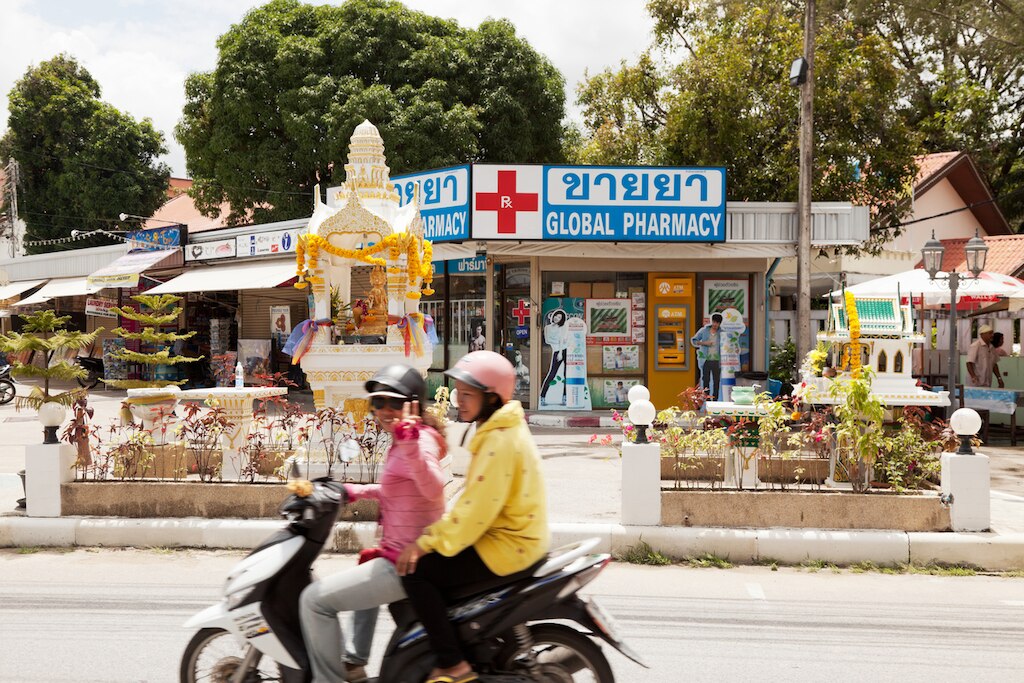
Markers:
(89, 382)
(214, 655)
(7, 391)
(564, 655)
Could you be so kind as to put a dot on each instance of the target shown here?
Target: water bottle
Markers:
(239, 376)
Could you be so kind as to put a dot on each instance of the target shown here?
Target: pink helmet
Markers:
(488, 371)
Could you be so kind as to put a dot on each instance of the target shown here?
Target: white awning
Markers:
(229, 278)
(124, 272)
(15, 288)
(68, 286)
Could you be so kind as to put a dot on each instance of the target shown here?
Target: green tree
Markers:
(82, 161)
(293, 80)
(44, 333)
(162, 313)
(962, 80)
(719, 96)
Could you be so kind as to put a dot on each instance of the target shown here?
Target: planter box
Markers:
(779, 470)
(804, 509)
(693, 469)
(145, 499)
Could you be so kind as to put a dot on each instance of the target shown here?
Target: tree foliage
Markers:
(719, 95)
(82, 161)
(293, 80)
(961, 80)
(162, 312)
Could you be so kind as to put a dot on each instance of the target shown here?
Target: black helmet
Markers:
(399, 381)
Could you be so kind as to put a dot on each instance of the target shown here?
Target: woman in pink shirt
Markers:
(411, 496)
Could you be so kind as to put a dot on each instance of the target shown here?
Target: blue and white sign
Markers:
(264, 243)
(598, 203)
(444, 201)
(155, 239)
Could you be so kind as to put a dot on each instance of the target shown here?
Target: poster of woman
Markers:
(559, 339)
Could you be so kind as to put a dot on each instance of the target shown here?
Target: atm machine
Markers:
(671, 362)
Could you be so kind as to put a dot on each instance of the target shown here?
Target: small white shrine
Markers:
(884, 337)
(353, 334)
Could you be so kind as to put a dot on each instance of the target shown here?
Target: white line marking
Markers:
(1014, 603)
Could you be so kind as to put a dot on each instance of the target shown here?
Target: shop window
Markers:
(883, 362)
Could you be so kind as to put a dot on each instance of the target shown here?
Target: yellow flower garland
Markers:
(418, 251)
(853, 320)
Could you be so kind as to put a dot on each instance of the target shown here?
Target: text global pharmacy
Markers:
(619, 224)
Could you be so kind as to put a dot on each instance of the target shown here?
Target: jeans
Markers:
(557, 361)
(360, 590)
(710, 384)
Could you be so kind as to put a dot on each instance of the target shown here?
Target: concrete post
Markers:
(47, 466)
(641, 483)
(965, 483)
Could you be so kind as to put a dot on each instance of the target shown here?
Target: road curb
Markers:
(570, 421)
(987, 551)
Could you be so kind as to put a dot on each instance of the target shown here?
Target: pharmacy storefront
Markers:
(591, 279)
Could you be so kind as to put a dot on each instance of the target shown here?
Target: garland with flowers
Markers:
(853, 320)
(308, 247)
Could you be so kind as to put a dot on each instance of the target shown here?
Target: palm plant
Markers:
(162, 312)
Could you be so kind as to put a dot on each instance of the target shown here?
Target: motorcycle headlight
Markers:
(238, 597)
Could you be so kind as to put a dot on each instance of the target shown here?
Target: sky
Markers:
(140, 51)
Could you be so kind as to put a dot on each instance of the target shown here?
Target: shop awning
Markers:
(15, 288)
(124, 272)
(229, 278)
(68, 286)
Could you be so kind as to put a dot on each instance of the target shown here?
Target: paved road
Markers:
(105, 615)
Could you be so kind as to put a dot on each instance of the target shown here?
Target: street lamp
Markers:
(932, 253)
(965, 423)
(641, 411)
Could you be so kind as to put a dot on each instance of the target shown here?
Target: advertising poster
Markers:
(616, 391)
(609, 321)
(255, 357)
(100, 307)
(615, 357)
(556, 313)
(576, 366)
(720, 296)
(280, 324)
(477, 338)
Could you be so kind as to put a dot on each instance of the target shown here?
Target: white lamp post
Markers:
(932, 253)
(965, 477)
(641, 464)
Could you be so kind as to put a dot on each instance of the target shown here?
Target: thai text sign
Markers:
(444, 201)
(598, 203)
(100, 307)
(154, 239)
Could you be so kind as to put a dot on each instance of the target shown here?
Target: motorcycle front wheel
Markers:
(563, 655)
(6, 391)
(214, 655)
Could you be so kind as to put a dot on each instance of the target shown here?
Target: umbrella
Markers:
(987, 287)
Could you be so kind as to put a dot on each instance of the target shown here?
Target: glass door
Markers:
(514, 338)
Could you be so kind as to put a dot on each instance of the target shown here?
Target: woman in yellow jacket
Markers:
(499, 525)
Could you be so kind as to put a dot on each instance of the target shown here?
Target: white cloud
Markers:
(141, 52)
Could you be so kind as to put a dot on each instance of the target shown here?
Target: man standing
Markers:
(708, 341)
(980, 360)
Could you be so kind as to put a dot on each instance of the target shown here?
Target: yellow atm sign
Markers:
(672, 313)
(673, 287)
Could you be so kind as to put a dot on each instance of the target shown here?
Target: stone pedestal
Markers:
(641, 484)
(47, 466)
(966, 483)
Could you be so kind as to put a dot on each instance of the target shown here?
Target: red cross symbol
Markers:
(521, 312)
(506, 201)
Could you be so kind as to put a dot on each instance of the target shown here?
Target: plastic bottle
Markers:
(239, 376)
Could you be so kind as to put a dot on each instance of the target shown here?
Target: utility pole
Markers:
(10, 230)
(803, 254)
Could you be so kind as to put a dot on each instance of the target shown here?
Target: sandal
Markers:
(464, 678)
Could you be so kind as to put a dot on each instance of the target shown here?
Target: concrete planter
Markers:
(704, 468)
(147, 499)
(793, 470)
(803, 509)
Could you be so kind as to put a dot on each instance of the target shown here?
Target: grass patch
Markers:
(1015, 574)
(160, 550)
(643, 553)
(814, 566)
(938, 569)
(29, 550)
(709, 560)
(869, 566)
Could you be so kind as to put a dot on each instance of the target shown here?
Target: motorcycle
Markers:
(94, 366)
(514, 633)
(7, 391)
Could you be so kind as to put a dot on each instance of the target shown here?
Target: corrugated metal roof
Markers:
(834, 223)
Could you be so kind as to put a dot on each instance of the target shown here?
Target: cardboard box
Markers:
(603, 290)
(580, 290)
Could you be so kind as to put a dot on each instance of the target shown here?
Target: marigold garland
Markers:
(418, 251)
(853, 320)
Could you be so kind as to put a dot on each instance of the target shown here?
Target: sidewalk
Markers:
(583, 485)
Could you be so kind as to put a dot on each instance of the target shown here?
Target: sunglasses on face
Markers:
(392, 402)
